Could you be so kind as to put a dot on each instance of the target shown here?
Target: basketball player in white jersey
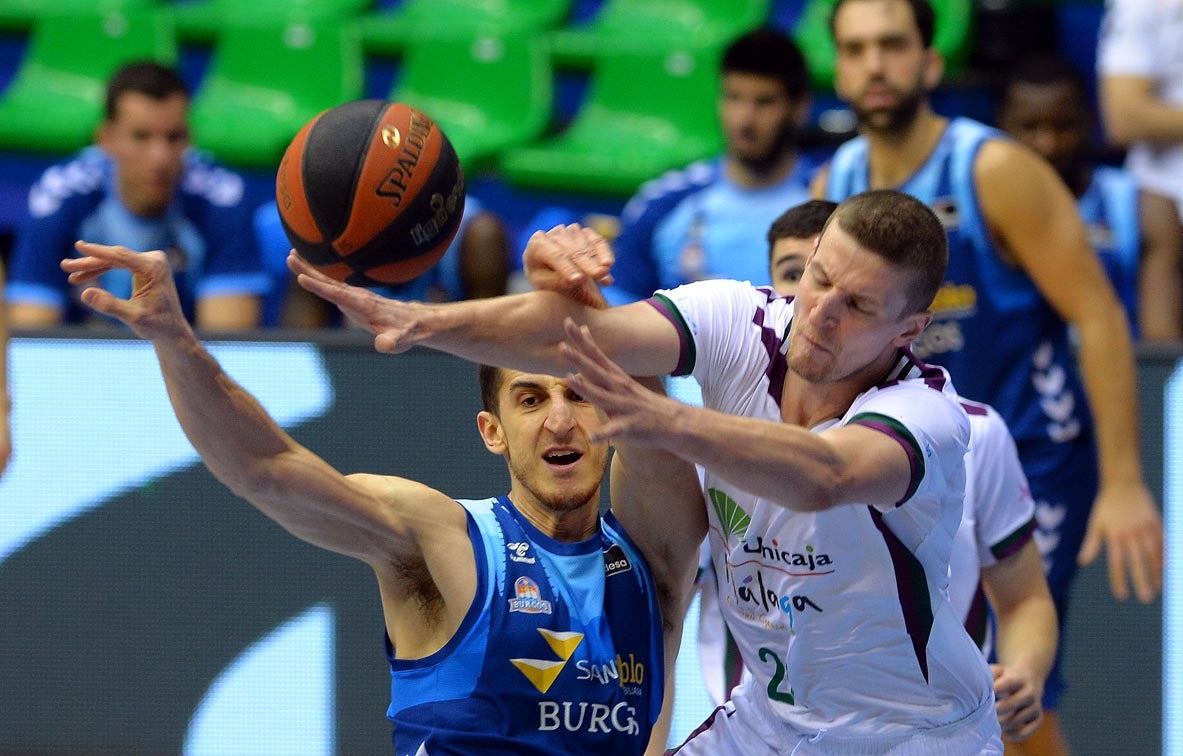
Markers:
(834, 468)
(994, 551)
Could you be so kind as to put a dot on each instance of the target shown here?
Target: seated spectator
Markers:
(1044, 105)
(708, 220)
(140, 186)
(475, 266)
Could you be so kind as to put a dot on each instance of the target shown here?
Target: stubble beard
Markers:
(563, 500)
(894, 120)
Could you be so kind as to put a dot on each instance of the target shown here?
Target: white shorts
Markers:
(751, 729)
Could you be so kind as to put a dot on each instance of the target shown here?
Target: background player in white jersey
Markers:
(834, 471)
(583, 603)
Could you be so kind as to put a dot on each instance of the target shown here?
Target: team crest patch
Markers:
(529, 598)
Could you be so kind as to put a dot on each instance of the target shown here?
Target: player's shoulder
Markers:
(660, 194)
(205, 181)
(78, 182)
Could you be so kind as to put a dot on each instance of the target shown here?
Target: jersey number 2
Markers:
(778, 676)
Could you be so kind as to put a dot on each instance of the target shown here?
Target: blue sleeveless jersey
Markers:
(560, 653)
(1109, 208)
(694, 224)
(992, 330)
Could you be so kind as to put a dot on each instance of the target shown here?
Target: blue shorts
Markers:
(1063, 481)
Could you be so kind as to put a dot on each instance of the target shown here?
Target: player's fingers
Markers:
(1117, 569)
(106, 303)
(92, 273)
(1090, 548)
(118, 256)
(1140, 572)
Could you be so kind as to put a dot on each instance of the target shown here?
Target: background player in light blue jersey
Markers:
(1044, 105)
(141, 186)
(1020, 276)
(523, 623)
(475, 265)
(707, 220)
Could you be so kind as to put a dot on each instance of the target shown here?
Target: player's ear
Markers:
(913, 325)
(490, 427)
(934, 68)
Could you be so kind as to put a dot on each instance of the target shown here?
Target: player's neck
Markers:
(809, 404)
(895, 156)
(752, 175)
(566, 524)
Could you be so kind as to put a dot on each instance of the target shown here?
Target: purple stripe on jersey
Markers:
(912, 588)
(973, 408)
(1014, 542)
(701, 728)
(910, 367)
(895, 430)
(977, 619)
(778, 366)
(685, 341)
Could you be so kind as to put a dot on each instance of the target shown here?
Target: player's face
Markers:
(788, 263)
(883, 70)
(1052, 120)
(849, 311)
(541, 428)
(758, 118)
(147, 140)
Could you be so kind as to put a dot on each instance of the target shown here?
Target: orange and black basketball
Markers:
(370, 192)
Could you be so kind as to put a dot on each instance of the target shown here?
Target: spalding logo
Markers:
(391, 136)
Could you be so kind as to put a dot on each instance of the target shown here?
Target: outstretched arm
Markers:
(375, 520)
(521, 331)
(783, 463)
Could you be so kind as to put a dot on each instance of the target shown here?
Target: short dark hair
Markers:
(769, 52)
(146, 77)
(803, 221)
(490, 379)
(1046, 69)
(903, 231)
(922, 12)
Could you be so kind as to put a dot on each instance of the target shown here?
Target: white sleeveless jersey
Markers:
(998, 518)
(841, 616)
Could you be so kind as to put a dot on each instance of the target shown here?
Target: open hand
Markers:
(1129, 525)
(392, 322)
(634, 413)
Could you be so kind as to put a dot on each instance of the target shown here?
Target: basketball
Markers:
(370, 192)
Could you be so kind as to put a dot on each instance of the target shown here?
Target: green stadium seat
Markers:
(623, 25)
(645, 112)
(55, 100)
(952, 38)
(19, 15)
(494, 93)
(200, 21)
(267, 79)
(389, 32)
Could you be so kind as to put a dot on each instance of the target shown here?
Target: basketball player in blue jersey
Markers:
(1020, 275)
(707, 220)
(141, 186)
(832, 466)
(524, 623)
(1044, 105)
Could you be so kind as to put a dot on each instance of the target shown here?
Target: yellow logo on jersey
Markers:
(542, 673)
